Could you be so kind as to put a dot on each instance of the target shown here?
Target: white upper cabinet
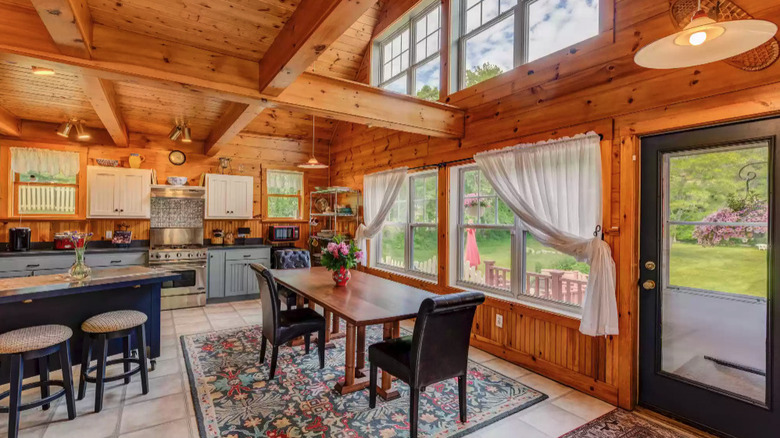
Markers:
(118, 192)
(229, 196)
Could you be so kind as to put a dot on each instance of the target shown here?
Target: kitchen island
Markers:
(55, 299)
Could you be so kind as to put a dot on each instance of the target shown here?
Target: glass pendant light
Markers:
(705, 40)
(313, 163)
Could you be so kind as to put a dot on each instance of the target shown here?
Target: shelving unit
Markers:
(330, 223)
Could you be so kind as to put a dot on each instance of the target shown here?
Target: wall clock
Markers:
(177, 158)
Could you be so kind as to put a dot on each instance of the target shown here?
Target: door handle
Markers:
(650, 265)
(648, 285)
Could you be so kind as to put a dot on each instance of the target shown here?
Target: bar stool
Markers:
(102, 328)
(37, 342)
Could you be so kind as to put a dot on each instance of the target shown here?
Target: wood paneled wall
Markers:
(594, 85)
(250, 154)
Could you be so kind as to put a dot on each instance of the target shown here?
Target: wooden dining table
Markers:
(365, 300)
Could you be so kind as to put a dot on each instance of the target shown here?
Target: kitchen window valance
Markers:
(44, 162)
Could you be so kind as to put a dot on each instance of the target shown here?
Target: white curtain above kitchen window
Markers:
(284, 183)
(44, 162)
(554, 188)
(379, 193)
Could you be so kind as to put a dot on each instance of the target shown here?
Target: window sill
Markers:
(541, 305)
(428, 280)
(271, 220)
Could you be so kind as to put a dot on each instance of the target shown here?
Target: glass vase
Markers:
(80, 270)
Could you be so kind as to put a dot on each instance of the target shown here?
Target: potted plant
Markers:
(474, 205)
(339, 257)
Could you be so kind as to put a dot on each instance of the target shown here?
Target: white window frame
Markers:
(518, 237)
(269, 195)
(410, 26)
(521, 30)
(409, 226)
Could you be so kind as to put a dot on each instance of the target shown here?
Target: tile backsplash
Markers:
(177, 213)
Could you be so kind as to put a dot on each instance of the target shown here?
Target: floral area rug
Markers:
(234, 398)
(624, 424)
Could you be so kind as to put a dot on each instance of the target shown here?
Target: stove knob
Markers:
(167, 256)
(178, 255)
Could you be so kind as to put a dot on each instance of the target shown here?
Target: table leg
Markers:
(299, 302)
(386, 390)
(352, 382)
(361, 348)
(335, 328)
(327, 326)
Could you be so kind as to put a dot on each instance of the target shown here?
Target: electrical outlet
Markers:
(109, 233)
(500, 321)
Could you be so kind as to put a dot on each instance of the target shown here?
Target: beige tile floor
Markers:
(167, 410)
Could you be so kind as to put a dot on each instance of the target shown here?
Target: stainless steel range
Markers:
(176, 244)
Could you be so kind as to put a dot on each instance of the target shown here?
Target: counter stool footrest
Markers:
(39, 402)
(126, 374)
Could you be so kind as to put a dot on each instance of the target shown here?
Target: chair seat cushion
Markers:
(33, 338)
(113, 321)
(296, 322)
(393, 356)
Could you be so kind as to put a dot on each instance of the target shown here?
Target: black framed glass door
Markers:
(708, 344)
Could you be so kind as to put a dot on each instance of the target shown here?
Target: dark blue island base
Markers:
(53, 299)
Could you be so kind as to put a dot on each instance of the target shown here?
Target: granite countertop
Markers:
(237, 246)
(44, 286)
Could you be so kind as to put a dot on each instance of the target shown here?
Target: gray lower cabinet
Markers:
(47, 264)
(230, 274)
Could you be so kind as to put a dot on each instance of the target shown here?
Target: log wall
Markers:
(594, 85)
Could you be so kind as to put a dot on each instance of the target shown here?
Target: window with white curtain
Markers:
(496, 254)
(499, 35)
(45, 181)
(284, 193)
(408, 242)
(410, 62)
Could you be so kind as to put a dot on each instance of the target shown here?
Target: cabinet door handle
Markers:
(116, 261)
(246, 256)
(33, 266)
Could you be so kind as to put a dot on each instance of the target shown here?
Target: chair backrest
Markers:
(292, 259)
(269, 299)
(440, 345)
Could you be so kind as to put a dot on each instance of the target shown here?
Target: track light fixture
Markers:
(64, 129)
(81, 132)
(175, 133)
(187, 138)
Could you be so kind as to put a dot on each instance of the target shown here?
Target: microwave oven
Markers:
(284, 233)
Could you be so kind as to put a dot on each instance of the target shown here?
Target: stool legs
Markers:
(86, 358)
(67, 378)
(100, 384)
(126, 355)
(43, 373)
(140, 334)
(17, 374)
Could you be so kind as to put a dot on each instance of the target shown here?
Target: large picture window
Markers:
(499, 35)
(410, 56)
(408, 242)
(496, 254)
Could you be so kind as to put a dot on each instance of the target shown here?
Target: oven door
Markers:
(187, 291)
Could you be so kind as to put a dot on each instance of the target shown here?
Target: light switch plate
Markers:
(500, 321)
(109, 233)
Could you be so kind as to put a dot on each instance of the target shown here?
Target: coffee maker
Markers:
(20, 239)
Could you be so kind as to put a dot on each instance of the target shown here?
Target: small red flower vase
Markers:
(342, 276)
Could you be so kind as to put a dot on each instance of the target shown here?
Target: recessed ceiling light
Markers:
(42, 71)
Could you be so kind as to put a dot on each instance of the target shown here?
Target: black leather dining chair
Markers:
(438, 350)
(290, 259)
(282, 326)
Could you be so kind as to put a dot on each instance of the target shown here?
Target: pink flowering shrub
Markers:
(340, 253)
(710, 235)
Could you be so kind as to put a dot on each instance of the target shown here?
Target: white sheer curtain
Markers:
(379, 193)
(555, 189)
(44, 162)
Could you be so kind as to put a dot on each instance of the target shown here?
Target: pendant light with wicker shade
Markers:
(313, 163)
(705, 40)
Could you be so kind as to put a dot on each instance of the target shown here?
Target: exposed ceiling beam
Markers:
(100, 93)
(233, 121)
(69, 23)
(9, 123)
(314, 26)
(130, 57)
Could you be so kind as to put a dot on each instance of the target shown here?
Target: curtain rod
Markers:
(463, 160)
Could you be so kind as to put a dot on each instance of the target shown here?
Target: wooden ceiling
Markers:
(238, 28)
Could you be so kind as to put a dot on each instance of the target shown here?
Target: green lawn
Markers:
(734, 269)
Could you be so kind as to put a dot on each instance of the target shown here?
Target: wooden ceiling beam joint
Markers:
(9, 123)
(101, 94)
(69, 23)
(233, 121)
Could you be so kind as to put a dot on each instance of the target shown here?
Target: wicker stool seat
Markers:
(33, 338)
(98, 331)
(36, 343)
(113, 321)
